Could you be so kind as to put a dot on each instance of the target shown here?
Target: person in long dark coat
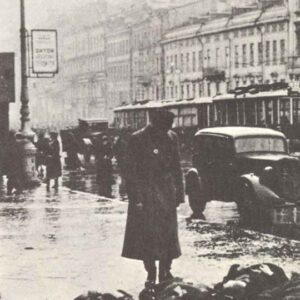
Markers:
(53, 166)
(41, 147)
(155, 189)
(72, 148)
(13, 165)
(104, 167)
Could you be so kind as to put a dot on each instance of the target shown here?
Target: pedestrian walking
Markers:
(41, 147)
(104, 167)
(53, 167)
(155, 190)
(71, 147)
(13, 164)
(119, 151)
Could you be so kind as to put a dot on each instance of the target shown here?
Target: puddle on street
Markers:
(59, 244)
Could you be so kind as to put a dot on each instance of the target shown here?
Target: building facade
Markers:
(213, 57)
(118, 65)
(147, 53)
(84, 74)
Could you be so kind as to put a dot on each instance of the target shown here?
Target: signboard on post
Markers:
(7, 77)
(44, 51)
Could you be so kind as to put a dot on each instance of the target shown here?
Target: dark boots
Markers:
(164, 270)
(151, 270)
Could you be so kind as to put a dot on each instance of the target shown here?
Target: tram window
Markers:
(221, 113)
(250, 113)
(176, 122)
(296, 110)
(260, 116)
(269, 112)
(284, 110)
(241, 113)
(188, 116)
(202, 115)
(232, 113)
(176, 119)
(187, 121)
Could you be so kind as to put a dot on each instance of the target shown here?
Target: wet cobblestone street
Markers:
(59, 244)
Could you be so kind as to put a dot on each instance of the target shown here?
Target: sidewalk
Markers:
(59, 244)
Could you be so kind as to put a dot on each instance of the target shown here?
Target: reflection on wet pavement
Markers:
(59, 244)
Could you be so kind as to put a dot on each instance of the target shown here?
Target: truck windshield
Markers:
(260, 144)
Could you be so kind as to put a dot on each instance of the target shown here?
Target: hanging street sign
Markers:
(44, 51)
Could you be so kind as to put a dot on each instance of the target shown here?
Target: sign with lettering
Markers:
(44, 51)
(7, 77)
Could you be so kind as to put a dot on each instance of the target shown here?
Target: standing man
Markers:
(53, 168)
(13, 164)
(104, 167)
(155, 189)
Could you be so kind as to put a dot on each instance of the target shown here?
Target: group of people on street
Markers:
(149, 164)
(48, 155)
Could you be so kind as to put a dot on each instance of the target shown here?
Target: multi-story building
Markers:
(84, 73)
(118, 65)
(147, 33)
(186, 50)
(79, 88)
(215, 56)
(145, 24)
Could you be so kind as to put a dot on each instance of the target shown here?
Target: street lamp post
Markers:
(28, 149)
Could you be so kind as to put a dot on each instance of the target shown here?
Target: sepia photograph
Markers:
(150, 150)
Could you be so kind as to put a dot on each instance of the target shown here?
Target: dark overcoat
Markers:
(53, 164)
(153, 178)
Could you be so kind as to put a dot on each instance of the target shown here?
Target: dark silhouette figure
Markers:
(71, 147)
(104, 155)
(53, 160)
(41, 147)
(155, 189)
(13, 164)
(119, 151)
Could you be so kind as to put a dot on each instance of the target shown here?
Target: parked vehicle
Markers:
(251, 166)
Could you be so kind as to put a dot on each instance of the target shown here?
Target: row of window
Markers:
(269, 112)
(82, 66)
(152, 93)
(118, 48)
(119, 72)
(185, 91)
(273, 52)
(194, 90)
(84, 46)
(244, 32)
(146, 38)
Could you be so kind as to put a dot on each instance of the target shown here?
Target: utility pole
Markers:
(26, 135)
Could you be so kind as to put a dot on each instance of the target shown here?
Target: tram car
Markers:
(274, 106)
